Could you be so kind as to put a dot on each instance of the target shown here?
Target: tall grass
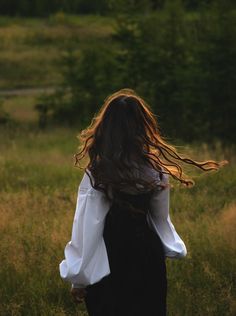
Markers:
(38, 194)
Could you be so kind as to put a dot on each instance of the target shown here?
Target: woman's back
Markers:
(137, 263)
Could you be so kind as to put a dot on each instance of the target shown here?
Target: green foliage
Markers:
(175, 60)
(45, 8)
(4, 116)
(88, 78)
(182, 62)
(182, 67)
(218, 65)
(134, 6)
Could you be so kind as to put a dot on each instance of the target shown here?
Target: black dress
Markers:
(137, 284)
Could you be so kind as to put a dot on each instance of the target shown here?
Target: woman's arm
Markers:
(86, 260)
(159, 219)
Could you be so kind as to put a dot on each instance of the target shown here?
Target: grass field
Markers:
(38, 194)
(27, 44)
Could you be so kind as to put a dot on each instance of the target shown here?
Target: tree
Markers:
(88, 78)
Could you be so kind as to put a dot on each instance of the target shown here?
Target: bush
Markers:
(88, 78)
(4, 116)
(176, 61)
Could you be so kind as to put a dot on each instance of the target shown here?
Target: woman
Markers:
(122, 232)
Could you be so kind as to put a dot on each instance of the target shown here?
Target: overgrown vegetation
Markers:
(182, 62)
(38, 194)
(27, 44)
(177, 61)
(44, 8)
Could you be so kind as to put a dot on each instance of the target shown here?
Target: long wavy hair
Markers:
(124, 135)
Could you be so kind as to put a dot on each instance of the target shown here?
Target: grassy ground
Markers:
(38, 194)
(21, 108)
(27, 44)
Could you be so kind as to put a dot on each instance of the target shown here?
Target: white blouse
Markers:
(86, 261)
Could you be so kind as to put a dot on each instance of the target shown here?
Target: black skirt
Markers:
(137, 284)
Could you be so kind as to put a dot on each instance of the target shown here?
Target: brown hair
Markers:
(123, 132)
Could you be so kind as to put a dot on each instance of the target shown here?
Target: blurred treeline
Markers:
(179, 55)
(29, 8)
(182, 63)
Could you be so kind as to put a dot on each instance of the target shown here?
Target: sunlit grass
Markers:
(38, 194)
(21, 108)
(208, 271)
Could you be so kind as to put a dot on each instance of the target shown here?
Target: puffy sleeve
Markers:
(86, 260)
(159, 219)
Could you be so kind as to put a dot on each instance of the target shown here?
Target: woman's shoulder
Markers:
(85, 182)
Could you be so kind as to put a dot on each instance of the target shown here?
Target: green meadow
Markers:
(27, 44)
(38, 189)
(38, 193)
